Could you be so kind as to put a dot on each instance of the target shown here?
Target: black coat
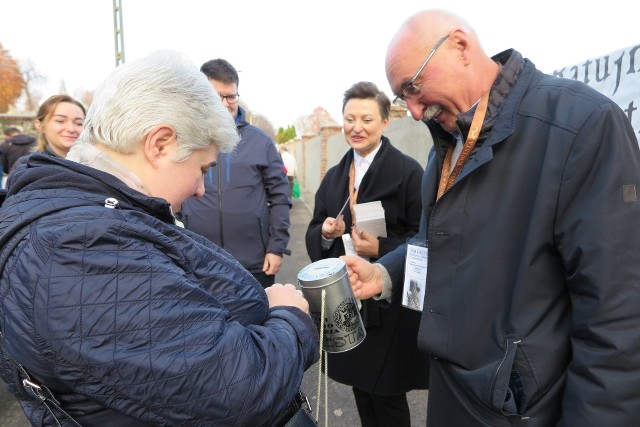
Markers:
(14, 148)
(388, 361)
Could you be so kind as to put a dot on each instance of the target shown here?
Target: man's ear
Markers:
(159, 143)
(461, 40)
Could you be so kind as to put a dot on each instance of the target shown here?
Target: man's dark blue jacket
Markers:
(245, 209)
(531, 304)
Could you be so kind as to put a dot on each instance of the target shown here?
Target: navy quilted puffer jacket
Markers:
(126, 316)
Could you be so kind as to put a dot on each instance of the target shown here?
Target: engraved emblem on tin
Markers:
(345, 316)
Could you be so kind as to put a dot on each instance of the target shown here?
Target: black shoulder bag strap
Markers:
(37, 392)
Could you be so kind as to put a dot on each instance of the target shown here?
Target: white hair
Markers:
(161, 88)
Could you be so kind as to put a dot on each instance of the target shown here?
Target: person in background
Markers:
(532, 218)
(59, 122)
(245, 209)
(126, 317)
(387, 363)
(15, 146)
(3, 176)
(290, 166)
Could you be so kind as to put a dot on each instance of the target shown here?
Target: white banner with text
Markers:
(616, 75)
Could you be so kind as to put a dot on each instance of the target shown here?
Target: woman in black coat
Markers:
(387, 363)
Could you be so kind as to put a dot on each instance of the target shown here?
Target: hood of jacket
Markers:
(241, 118)
(41, 187)
(43, 172)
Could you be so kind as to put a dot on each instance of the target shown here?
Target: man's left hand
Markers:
(271, 264)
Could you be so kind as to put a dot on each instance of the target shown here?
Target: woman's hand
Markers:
(364, 243)
(333, 227)
(287, 294)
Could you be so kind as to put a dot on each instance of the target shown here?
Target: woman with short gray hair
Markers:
(108, 304)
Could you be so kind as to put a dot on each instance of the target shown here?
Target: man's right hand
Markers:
(366, 278)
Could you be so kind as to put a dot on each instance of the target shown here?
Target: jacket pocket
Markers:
(508, 394)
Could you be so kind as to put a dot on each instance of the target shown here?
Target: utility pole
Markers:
(118, 31)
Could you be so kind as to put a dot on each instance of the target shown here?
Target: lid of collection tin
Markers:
(321, 273)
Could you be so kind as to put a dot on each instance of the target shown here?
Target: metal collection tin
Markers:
(343, 326)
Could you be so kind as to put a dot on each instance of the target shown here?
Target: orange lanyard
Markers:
(353, 192)
(448, 176)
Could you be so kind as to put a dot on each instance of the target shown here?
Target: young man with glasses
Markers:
(245, 209)
(532, 222)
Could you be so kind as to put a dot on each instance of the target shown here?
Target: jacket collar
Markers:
(512, 64)
(391, 163)
(55, 175)
(241, 118)
(506, 94)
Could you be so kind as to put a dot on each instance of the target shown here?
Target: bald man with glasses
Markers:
(531, 222)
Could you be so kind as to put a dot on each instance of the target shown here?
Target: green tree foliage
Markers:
(285, 135)
(11, 81)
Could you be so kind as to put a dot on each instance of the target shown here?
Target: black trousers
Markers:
(265, 280)
(382, 411)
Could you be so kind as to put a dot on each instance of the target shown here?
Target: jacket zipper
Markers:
(220, 205)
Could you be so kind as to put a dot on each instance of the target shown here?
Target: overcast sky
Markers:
(295, 55)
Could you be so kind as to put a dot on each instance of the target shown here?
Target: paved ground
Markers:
(340, 411)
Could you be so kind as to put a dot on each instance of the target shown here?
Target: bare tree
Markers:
(32, 78)
(84, 96)
(258, 120)
(263, 123)
(311, 124)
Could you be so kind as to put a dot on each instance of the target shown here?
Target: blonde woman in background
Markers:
(59, 122)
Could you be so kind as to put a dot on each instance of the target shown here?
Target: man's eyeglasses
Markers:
(231, 99)
(410, 88)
